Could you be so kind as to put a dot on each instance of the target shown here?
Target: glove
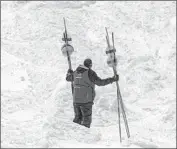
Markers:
(70, 71)
(116, 77)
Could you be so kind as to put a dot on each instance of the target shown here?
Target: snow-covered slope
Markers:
(36, 101)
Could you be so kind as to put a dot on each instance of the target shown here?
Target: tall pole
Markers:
(66, 39)
(120, 136)
(119, 94)
(112, 50)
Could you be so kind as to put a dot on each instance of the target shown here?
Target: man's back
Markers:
(84, 91)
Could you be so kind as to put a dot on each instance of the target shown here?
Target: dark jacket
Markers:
(85, 80)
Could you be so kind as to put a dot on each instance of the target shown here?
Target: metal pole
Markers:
(118, 100)
(68, 56)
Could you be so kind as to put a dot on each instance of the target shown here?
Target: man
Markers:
(84, 80)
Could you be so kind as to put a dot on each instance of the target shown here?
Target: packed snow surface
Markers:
(36, 100)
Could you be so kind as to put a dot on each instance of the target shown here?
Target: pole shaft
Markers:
(69, 63)
(123, 112)
(68, 56)
(122, 106)
(108, 43)
(118, 101)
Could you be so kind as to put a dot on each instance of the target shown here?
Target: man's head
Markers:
(88, 63)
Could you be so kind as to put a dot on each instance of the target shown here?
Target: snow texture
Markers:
(36, 100)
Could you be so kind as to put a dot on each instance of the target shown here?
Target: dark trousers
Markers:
(83, 114)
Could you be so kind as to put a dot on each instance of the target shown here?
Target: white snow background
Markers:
(36, 100)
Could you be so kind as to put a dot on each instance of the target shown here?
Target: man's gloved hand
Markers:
(116, 78)
(70, 71)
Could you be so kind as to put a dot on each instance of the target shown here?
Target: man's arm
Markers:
(98, 81)
(69, 75)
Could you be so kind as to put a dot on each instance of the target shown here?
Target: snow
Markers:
(173, 21)
(23, 115)
(36, 100)
(14, 80)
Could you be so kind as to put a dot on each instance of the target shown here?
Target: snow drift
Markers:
(36, 101)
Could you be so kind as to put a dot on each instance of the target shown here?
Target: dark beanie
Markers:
(87, 62)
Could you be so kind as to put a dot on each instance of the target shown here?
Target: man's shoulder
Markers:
(92, 72)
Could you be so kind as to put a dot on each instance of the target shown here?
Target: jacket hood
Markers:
(81, 69)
